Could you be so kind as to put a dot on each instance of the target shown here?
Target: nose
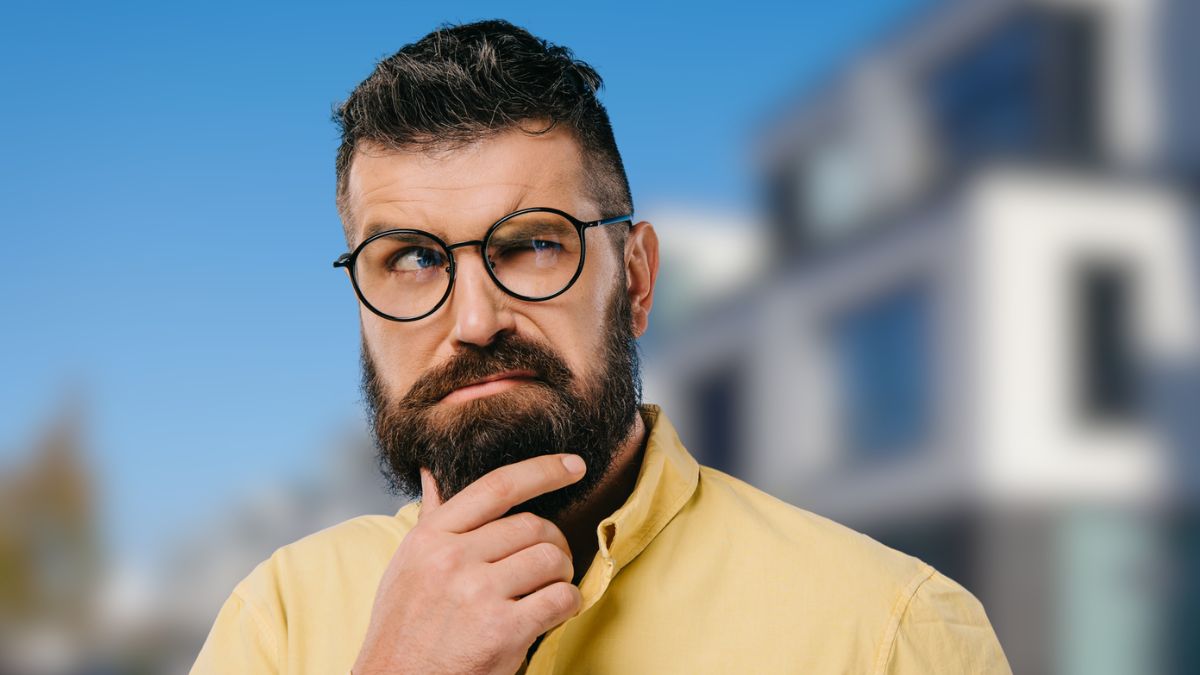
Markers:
(480, 309)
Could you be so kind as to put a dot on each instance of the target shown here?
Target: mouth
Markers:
(489, 385)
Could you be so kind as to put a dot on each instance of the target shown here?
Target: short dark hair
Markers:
(463, 83)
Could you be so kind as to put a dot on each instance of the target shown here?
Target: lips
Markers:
(510, 374)
(505, 375)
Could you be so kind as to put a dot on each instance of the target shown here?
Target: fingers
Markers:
(501, 538)
(546, 608)
(532, 568)
(498, 491)
(430, 499)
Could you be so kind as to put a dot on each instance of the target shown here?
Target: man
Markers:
(562, 525)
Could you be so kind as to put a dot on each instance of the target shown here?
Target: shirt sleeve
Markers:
(240, 642)
(943, 629)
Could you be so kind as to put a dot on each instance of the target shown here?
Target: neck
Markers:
(579, 524)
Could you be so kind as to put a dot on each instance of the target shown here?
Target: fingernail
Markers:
(574, 463)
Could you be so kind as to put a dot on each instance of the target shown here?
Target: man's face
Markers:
(573, 384)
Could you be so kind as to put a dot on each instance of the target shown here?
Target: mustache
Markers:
(506, 353)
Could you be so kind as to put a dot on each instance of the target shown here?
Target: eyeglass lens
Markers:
(406, 274)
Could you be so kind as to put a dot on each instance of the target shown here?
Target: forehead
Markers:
(456, 194)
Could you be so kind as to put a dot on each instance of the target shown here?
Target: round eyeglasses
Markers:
(533, 254)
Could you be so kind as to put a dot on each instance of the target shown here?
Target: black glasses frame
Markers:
(349, 260)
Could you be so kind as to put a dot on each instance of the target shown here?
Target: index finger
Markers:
(430, 499)
(501, 489)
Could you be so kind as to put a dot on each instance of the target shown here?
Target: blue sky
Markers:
(166, 201)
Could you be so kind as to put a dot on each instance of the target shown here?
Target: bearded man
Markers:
(562, 526)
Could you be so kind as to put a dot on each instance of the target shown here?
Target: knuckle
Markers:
(549, 555)
(551, 532)
(416, 537)
(562, 598)
(548, 531)
(475, 589)
(446, 559)
(499, 486)
(529, 523)
(553, 469)
(554, 561)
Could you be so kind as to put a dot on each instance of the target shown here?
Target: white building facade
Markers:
(981, 340)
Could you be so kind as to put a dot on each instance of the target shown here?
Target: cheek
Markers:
(394, 353)
(577, 335)
(374, 329)
(600, 282)
(602, 274)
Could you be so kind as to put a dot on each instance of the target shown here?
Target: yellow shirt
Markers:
(697, 572)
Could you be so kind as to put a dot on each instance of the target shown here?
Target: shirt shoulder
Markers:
(335, 556)
(284, 609)
(942, 629)
(899, 613)
(802, 539)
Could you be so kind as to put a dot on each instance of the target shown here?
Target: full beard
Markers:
(555, 413)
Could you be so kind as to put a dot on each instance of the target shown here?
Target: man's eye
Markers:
(415, 258)
(544, 245)
(527, 245)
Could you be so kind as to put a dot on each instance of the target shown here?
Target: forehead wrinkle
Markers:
(518, 198)
(560, 184)
(523, 188)
(420, 220)
(437, 228)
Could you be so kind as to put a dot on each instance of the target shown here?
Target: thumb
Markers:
(430, 499)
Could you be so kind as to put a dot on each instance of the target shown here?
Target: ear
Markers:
(641, 270)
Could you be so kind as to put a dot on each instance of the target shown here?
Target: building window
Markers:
(834, 192)
(1027, 88)
(884, 360)
(984, 100)
(716, 399)
(786, 210)
(1107, 379)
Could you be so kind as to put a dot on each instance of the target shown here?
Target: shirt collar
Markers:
(666, 481)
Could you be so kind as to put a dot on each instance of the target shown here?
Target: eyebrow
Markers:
(522, 230)
(376, 228)
(406, 238)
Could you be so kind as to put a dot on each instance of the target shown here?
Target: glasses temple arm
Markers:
(628, 218)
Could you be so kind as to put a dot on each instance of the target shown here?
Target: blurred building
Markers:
(706, 255)
(209, 560)
(980, 341)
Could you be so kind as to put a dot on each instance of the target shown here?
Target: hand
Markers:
(468, 591)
